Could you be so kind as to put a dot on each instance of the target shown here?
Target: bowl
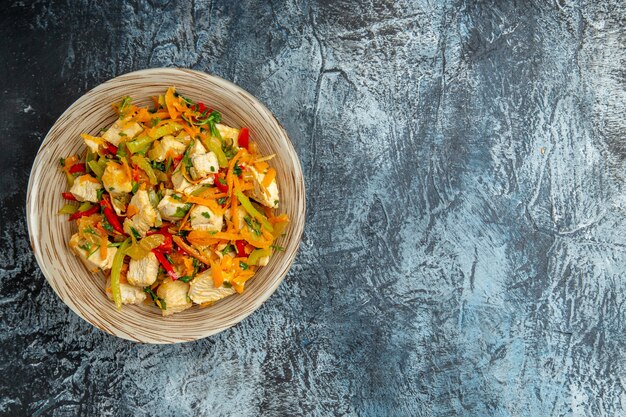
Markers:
(49, 232)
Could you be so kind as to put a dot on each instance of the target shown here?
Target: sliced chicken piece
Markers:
(268, 196)
(119, 129)
(86, 188)
(175, 295)
(203, 218)
(143, 215)
(89, 253)
(143, 272)
(202, 290)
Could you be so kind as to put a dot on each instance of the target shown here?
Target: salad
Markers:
(174, 207)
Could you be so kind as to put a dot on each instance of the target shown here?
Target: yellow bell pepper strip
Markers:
(144, 165)
(279, 228)
(247, 206)
(168, 129)
(257, 254)
(257, 242)
(68, 209)
(116, 268)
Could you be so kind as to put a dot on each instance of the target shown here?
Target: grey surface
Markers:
(464, 252)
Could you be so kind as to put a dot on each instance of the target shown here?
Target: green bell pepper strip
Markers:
(257, 254)
(215, 146)
(143, 163)
(97, 167)
(116, 268)
(139, 144)
(142, 142)
(165, 130)
(247, 206)
(200, 190)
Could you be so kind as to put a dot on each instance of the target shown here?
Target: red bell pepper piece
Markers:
(110, 148)
(166, 246)
(87, 212)
(241, 248)
(69, 196)
(244, 138)
(166, 264)
(111, 216)
(201, 107)
(223, 187)
(77, 168)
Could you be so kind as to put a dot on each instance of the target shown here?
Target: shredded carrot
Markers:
(234, 207)
(261, 166)
(269, 177)
(169, 103)
(202, 236)
(210, 193)
(131, 210)
(190, 250)
(216, 273)
(182, 223)
(192, 131)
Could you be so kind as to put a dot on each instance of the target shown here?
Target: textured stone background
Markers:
(465, 248)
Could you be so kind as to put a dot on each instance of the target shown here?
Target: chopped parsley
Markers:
(121, 151)
(212, 168)
(229, 150)
(135, 188)
(185, 278)
(155, 121)
(206, 214)
(157, 300)
(90, 230)
(276, 202)
(222, 181)
(237, 170)
(229, 248)
(62, 161)
(227, 284)
(176, 197)
(135, 232)
(99, 193)
(158, 165)
(243, 265)
(277, 248)
(253, 224)
(106, 225)
(221, 201)
(86, 246)
(182, 211)
(124, 106)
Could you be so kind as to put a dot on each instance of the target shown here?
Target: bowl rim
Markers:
(260, 299)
